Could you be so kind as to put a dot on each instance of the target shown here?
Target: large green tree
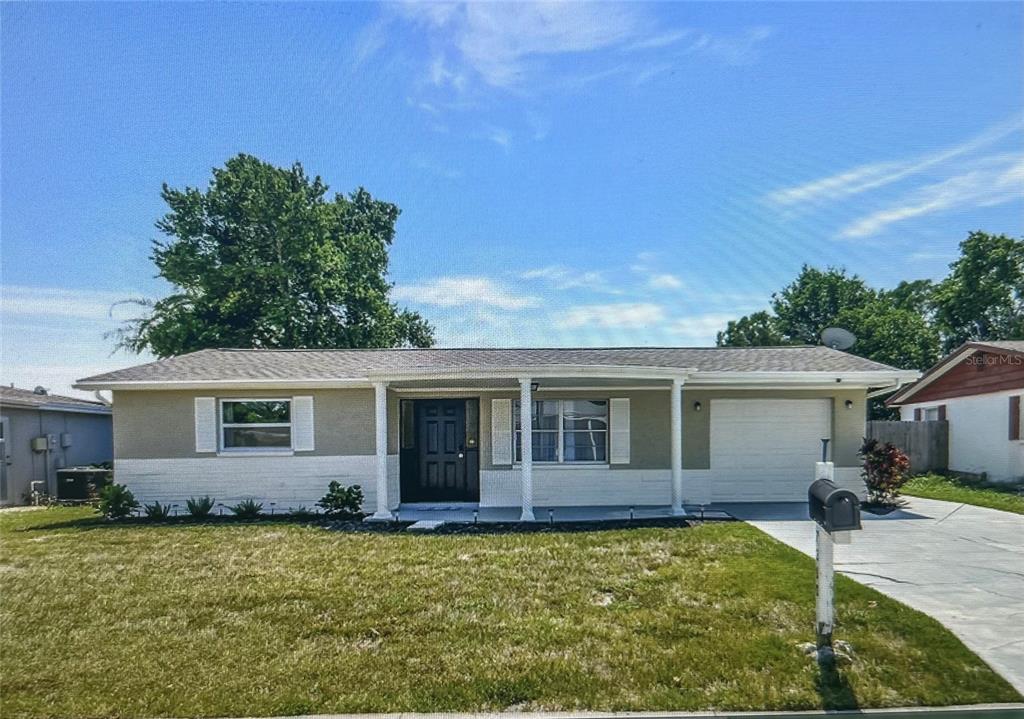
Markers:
(759, 329)
(264, 258)
(891, 326)
(983, 296)
(811, 302)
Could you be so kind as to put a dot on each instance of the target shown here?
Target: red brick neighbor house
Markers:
(977, 389)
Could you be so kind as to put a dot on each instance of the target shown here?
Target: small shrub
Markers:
(247, 509)
(117, 501)
(157, 511)
(302, 512)
(341, 501)
(885, 470)
(200, 506)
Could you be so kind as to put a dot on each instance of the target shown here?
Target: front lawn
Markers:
(951, 489)
(280, 618)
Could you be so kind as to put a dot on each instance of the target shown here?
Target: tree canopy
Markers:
(264, 258)
(908, 326)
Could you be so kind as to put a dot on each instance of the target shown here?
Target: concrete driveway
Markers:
(961, 564)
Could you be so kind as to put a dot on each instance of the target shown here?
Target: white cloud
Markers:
(496, 40)
(700, 329)
(462, 291)
(500, 137)
(63, 302)
(993, 181)
(659, 40)
(873, 175)
(741, 49)
(632, 315)
(664, 281)
(564, 278)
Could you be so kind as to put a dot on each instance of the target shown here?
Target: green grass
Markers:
(280, 618)
(951, 489)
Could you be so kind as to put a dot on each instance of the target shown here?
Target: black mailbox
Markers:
(835, 509)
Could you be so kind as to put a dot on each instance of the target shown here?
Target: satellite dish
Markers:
(837, 338)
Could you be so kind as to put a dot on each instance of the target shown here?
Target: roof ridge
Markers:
(631, 348)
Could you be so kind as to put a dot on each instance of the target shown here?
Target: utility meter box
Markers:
(40, 444)
(835, 509)
(65, 439)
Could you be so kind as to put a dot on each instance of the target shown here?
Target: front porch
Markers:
(478, 469)
(475, 514)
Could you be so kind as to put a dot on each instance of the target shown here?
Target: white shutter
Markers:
(206, 424)
(501, 431)
(618, 450)
(302, 424)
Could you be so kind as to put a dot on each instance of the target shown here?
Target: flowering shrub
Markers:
(886, 468)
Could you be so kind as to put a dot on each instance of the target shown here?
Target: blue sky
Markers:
(578, 174)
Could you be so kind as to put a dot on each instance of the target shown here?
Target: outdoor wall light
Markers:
(534, 386)
(697, 406)
(849, 404)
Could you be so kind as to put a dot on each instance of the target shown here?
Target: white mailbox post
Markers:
(836, 513)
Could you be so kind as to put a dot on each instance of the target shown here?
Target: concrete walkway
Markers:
(961, 564)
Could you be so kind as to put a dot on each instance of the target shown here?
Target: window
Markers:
(930, 414)
(566, 431)
(256, 424)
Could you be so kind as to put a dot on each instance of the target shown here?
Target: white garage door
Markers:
(764, 449)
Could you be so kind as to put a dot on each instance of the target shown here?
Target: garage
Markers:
(764, 450)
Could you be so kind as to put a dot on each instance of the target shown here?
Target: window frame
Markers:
(222, 425)
(560, 431)
(926, 410)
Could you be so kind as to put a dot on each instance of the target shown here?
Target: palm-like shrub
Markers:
(157, 511)
(247, 509)
(200, 506)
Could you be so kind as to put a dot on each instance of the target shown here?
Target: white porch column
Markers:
(526, 465)
(676, 429)
(380, 394)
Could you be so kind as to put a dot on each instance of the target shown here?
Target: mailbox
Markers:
(835, 509)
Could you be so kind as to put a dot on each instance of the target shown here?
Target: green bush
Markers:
(342, 501)
(200, 506)
(247, 509)
(117, 501)
(157, 511)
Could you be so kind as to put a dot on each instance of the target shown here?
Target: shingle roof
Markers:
(234, 364)
(1011, 345)
(14, 397)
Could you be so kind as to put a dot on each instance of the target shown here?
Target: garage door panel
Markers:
(765, 449)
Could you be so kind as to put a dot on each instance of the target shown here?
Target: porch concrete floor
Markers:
(463, 513)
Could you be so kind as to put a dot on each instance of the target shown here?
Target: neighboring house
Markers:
(977, 389)
(67, 432)
(623, 426)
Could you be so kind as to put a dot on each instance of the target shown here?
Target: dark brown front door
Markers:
(444, 469)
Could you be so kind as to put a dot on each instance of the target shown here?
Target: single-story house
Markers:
(977, 389)
(622, 426)
(41, 433)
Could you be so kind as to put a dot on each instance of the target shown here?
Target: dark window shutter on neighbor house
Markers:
(1015, 417)
(917, 414)
(942, 413)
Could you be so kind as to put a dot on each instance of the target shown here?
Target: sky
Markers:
(568, 174)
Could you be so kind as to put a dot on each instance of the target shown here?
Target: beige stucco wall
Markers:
(161, 424)
(847, 424)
